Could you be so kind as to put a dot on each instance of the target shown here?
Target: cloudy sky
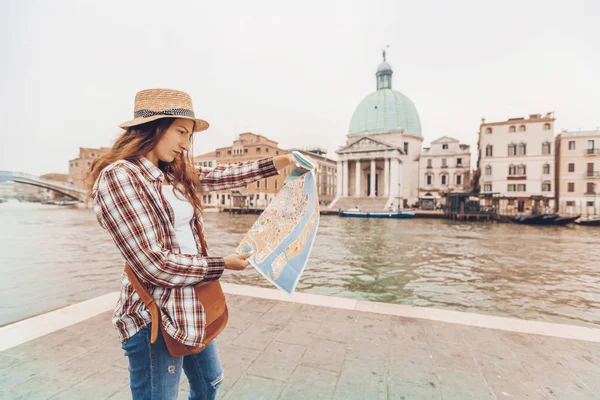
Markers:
(293, 72)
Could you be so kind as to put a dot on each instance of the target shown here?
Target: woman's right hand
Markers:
(237, 262)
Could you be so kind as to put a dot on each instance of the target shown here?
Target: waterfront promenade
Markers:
(318, 347)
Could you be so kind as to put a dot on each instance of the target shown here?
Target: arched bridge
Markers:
(60, 187)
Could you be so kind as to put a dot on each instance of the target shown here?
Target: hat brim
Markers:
(200, 124)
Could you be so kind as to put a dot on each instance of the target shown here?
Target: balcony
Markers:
(429, 167)
(590, 194)
(593, 174)
(445, 166)
(516, 177)
(592, 152)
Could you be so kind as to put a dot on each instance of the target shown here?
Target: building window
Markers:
(488, 170)
(277, 152)
(522, 149)
(512, 129)
(570, 203)
(489, 150)
(444, 163)
(429, 179)
(511, 187)
(522, 170)
(546, 187)
(571, 167)
(459, 179)
(590, 204)
(522, 128)
(444, 177)
(405, 147)
(276, 184)
(546, 148)
(229, 152)
(512, 149)
(546, 169)
(547, 127)
(266, 149)
(521, 187)
(445, 146)
(245, 151)
(488, 130)
(218, 154)
(571, 187)
(459, 162)
(487, 187)
(258, 184)
(571, 145)
(429, 162)
(590, 187)
(258, 149)
(266, 184)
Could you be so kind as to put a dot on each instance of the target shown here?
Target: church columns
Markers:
(339, 178)
(394, 177)
(345, 171)
(373, 174)
(358, 178)
(386, 177)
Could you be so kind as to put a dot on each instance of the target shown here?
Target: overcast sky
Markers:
(69, 70)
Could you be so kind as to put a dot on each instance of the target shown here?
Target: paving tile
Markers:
(250, 387)
(483, 340)
(325, 354)
(463, 385)
(369, 346)
(236, 361)
(299, 332)
(100, 385)
(256, 304)
(507, 378)
(257, 336)
(413, 330)
(38, 387)
(519, 342)
(278, 361)
(405, 390)
(241, 319)
(85, 365)
(229, 334)
(412, 365)
(309, 383)
(439, 333)
(335, 331)
(280, 314)
(453, 357)
(375, 324)
(362, 379)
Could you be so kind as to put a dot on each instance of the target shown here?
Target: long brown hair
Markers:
(135, 143)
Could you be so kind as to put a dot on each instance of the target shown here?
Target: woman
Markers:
(147, 193)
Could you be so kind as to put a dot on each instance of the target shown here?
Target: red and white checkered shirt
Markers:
(128, 202)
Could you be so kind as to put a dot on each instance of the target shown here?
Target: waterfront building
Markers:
(247, 147)
(378, 166)
(326, 175)
(78, 167)
(444, 167)
(578, 172)
(516, 162)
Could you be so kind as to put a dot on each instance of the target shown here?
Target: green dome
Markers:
(385, 110)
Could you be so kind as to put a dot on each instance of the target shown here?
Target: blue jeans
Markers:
(154, 374)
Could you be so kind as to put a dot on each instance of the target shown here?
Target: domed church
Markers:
(377, 169)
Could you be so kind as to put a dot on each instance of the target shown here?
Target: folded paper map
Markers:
(283, 236)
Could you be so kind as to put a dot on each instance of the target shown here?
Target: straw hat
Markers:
(153, 104)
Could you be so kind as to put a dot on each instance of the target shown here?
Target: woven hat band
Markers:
(172, 111)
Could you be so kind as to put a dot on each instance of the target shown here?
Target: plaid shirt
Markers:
(128, 202)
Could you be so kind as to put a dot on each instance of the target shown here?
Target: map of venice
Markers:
(284, 233)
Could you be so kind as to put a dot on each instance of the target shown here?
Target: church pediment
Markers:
(366, 144)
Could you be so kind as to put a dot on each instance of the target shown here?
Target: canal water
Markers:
(51, 257)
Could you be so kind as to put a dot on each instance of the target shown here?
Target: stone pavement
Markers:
(284, 350)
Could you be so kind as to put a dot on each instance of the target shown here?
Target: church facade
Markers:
(378, 167)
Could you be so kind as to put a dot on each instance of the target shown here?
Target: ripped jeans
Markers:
(154, 374)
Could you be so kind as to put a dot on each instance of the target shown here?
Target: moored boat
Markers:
(589, 221)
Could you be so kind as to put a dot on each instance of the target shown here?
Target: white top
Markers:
(183, 213)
